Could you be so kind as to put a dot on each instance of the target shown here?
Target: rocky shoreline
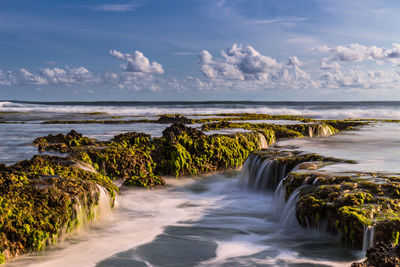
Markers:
(361, 208)
(40, 197)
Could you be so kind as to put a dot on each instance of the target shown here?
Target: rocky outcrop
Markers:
(184, 150)
(62, 143)
(41, 199)
(363, 208)
(381, 255)
(174, 118)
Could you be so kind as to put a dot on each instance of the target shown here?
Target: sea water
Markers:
(212, 220)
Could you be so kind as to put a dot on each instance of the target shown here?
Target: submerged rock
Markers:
(174, 118)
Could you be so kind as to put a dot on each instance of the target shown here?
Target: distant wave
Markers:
(322, 110)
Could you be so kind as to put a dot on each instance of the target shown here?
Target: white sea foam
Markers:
(140, 217)
(338, 112)
(285, 258)
(234, 249)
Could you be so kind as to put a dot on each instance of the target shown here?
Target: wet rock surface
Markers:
(40, 196)
(177, 118)
(381, 255)
(362, 208)
(39, 202)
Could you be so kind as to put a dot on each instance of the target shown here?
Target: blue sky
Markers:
(199, 50)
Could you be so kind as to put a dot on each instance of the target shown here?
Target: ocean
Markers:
(207, 220)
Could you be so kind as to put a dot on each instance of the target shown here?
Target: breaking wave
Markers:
(320, 110)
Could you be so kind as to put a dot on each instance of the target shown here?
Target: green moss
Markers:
(62, 143)
(348, 204)
(345, 125)
(188, 152)
(358, 215)
(395, 238)
(39, 197)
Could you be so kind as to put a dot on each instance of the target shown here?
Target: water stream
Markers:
(209, 221)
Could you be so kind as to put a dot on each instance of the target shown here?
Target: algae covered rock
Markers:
(353, 204)
(42, 198)
(39, 202)
(174, 118)
(132, 138)
(381, 255)
(184, 150)
(347, 204)
(62, 143)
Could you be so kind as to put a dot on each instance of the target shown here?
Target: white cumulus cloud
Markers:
(357, 53)
(358, 79)
(239, 63)
(137, 62)
(47, 76)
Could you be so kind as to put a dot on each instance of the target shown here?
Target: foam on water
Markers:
(140, 217)
(327, 110)
(172, 226)
(244, 226)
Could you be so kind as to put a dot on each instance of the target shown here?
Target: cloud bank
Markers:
(237, 68)
(47, 76)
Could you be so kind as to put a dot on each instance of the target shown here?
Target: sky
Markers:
(194, 50)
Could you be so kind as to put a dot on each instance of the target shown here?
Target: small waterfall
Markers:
(325, 130)
(103, 208)
(368, 237)
(278, 203)
(320, 130)
(263, 141)
(101, 211)
(81, 217)
(260, 174)
(310, 131)
(288, 216)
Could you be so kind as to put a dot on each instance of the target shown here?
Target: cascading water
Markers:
(194, 222)
(81, 217)
(268, 175)
(279, 200)
(263, 141)
(368, 237)
(260, 174)
(103, 209)
(287, 218)
(319, 130)
(101, 212)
